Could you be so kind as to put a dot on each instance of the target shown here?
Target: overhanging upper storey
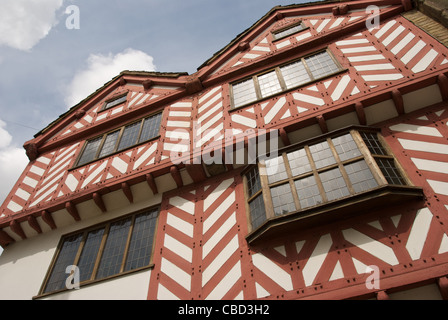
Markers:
(301, 70)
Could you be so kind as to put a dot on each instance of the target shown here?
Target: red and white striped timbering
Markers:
(177, 136)
(420, 143)
(210, 118)
(201, 252)
(199, 245)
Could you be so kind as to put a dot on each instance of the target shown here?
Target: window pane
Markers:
(140, 247)
(90, 253)
(294, 74)
(90, 151)
(275, 169)
(373, 143)
(253, 181)
(129, 137)
(243, 93)
(109, 144)
(269, 84)
(321, 64)
(322, 155)
(390, 171)
(334, 184)
(114, 249)
(282, 199)
(360, 176)
(257, 211)
(346, 147)
(288, 31)
(151, 127)
(298, 161)
(308, 192)
(65, 258)
(115, 102)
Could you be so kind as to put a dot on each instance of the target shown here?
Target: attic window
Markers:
(287, 31)
(306, 70)
(333, 176)
(114, 102)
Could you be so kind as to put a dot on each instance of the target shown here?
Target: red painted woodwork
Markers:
(201, 250)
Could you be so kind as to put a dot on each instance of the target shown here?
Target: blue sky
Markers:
(46, 67)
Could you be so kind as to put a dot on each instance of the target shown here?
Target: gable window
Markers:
(288, 30)
(104, 251)
(297, 73)
(120, 139)
(114, 102)
(323, 176)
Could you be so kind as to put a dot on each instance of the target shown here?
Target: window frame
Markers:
(120, 96)
(289, 26)
(316, 209)
(98, 258)
(281, 79)
(118, 140)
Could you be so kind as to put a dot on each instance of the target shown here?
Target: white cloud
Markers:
(13, 161)
(23, 23)
(102, 68)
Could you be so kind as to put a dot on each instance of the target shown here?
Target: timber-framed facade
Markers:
(358, 113)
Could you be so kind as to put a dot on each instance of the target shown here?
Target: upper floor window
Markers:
(104, 251)
(114, 102)
(297, 73)
(288, 30)
(120, 139)
(323, 176)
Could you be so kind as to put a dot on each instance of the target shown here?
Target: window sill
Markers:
(374, 199)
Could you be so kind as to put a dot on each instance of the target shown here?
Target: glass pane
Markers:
(253, 181)
(321, 64)
(114, 249)
(298, 161)
(373, 143)
(269, 84)
(346, 147)
(360, 176)
(390, 171)
(243, 93)
(90, 253)
(257, 211)
(90, 151)
(65, 258)
(140, 247)
(129, 137)
(308, 192)
(115, 102)
(109, 144)
(282, 199)
(322, 155)
(275, 169)
(294, 74)
(288, 31)
(334, 184)
(151, 127)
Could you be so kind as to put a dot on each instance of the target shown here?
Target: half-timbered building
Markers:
(305, 160)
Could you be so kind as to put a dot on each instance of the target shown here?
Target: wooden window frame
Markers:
(120, 96)
(281, 80)
(407, 189)
(85, 232)
(117, 142)
(289, 26)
